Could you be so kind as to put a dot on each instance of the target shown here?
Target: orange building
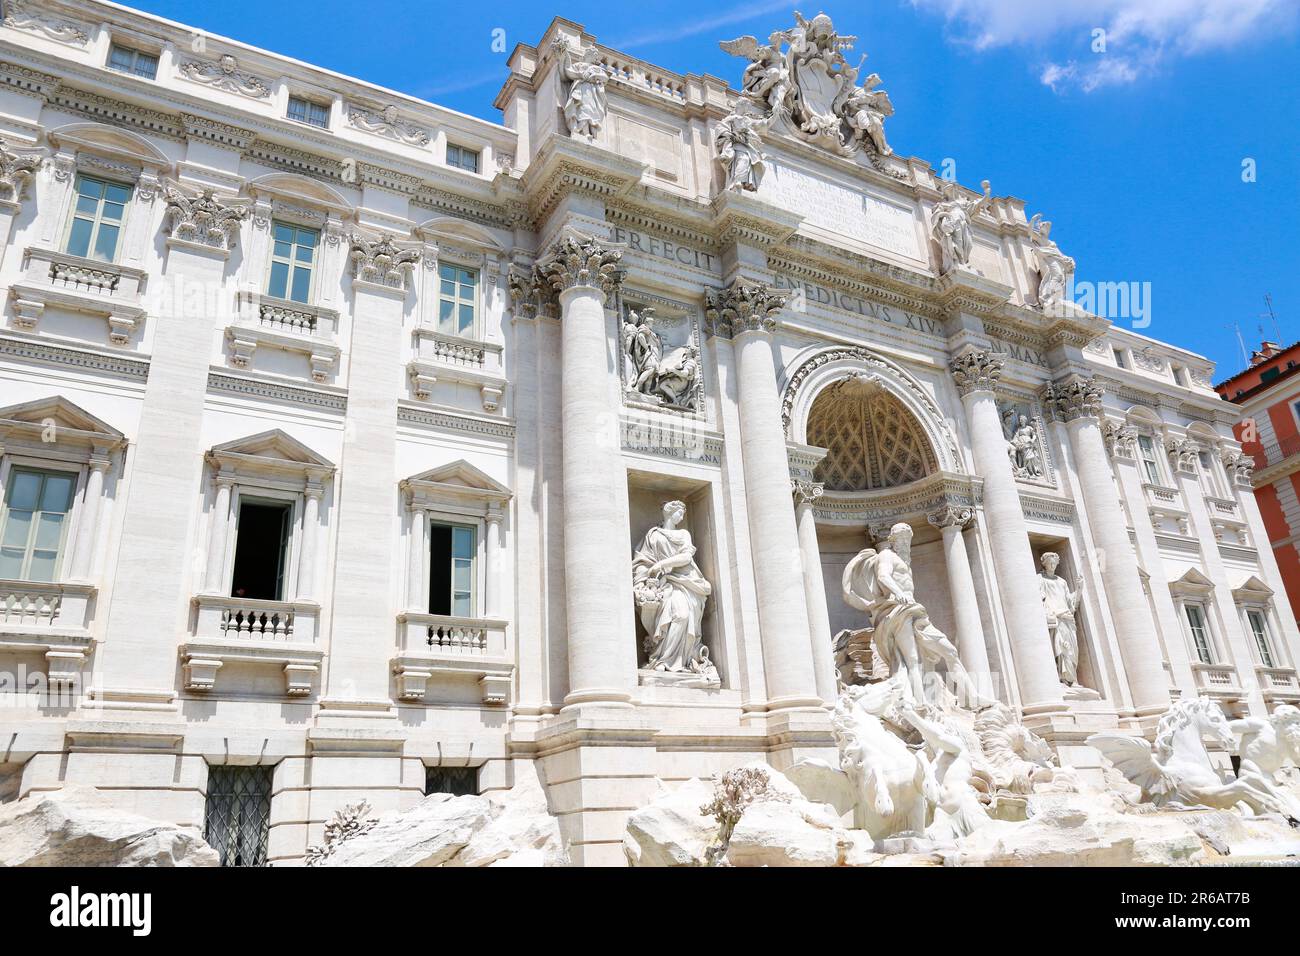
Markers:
(1268, 391)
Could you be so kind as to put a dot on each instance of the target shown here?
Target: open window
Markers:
(263, 535)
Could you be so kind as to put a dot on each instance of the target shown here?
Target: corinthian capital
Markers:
(743, 307)
(382, 260)
(1074, 398)
(1183, 454)
(583, 262)
(976, 370)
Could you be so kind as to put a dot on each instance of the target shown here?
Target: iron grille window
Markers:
(458, 781)
(237, 818)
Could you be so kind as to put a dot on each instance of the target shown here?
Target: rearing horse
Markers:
(1177, 772)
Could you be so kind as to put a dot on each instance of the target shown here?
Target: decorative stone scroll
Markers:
(15, 171)
(203, 219)
(224, 75)
(1073, 399)
(806, 492)
(387, 122)
(582, 261)
(743, 307)
(382, 261)
(19, 16)
(949, 516)
(976, 370)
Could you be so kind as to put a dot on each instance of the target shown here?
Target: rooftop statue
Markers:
(802, 83)
(1053, 266)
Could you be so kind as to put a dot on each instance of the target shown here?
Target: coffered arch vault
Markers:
(824, 390)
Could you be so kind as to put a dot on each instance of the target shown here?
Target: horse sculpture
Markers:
(1177, 773)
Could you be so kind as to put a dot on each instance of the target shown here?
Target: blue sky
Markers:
(1135, 152)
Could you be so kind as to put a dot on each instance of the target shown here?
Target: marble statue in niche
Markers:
(879, 581)
(739, 147)
(1054, 267)
(1060, 603)
(587, 104)
(1022, 444)
(952, 219)
(653, 372)
(670, 593)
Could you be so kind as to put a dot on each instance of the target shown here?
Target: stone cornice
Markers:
(743, 219)
(565, 165)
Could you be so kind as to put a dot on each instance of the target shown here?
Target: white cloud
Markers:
(680, 31)
(1139, 34)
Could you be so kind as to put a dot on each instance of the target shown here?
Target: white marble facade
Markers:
(826, 360)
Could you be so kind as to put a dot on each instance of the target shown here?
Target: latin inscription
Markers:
(848, 302)
(663, 249)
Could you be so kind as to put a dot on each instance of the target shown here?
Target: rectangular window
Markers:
(293, 260)
(35, 523)
(1148, 450)
(1200, 633)
(458, 781)
(451, 569)
(237, 814)
(1209, 481)
(136, 62)
(97, 218)
(1259, 627)
(462, 158)
(1119, 358)
(457, 300)
(261, 549)
(305, 111)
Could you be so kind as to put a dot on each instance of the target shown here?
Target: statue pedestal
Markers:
(1079, 692)
(678, 679)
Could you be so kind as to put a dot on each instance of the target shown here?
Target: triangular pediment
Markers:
(273, 444)
(461, 474)
(1192, 582)
(58, 411)
(1252, 587)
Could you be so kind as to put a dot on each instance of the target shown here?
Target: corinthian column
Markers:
(597, 555)
(747, 311)
(814, 587)
(961, 585)
(976, 373)
(1077, 402)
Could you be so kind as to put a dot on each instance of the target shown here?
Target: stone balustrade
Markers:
(1217, 680)
(77, 284)
(450, 358)
(1279, 684)
(263, 321)
(53, 619)
(227, 630)
(440, 645)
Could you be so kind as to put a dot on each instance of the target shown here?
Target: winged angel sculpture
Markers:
(810, 89)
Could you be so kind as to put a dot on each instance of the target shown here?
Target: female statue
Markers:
(670, 593)
(585, 108)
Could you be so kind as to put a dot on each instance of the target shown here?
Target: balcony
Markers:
(1217, 680)
(228, 630)
(53, 619)
(438, 645)
(1279, 684)
(263, 321)
(64, 281)
(450, 358)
